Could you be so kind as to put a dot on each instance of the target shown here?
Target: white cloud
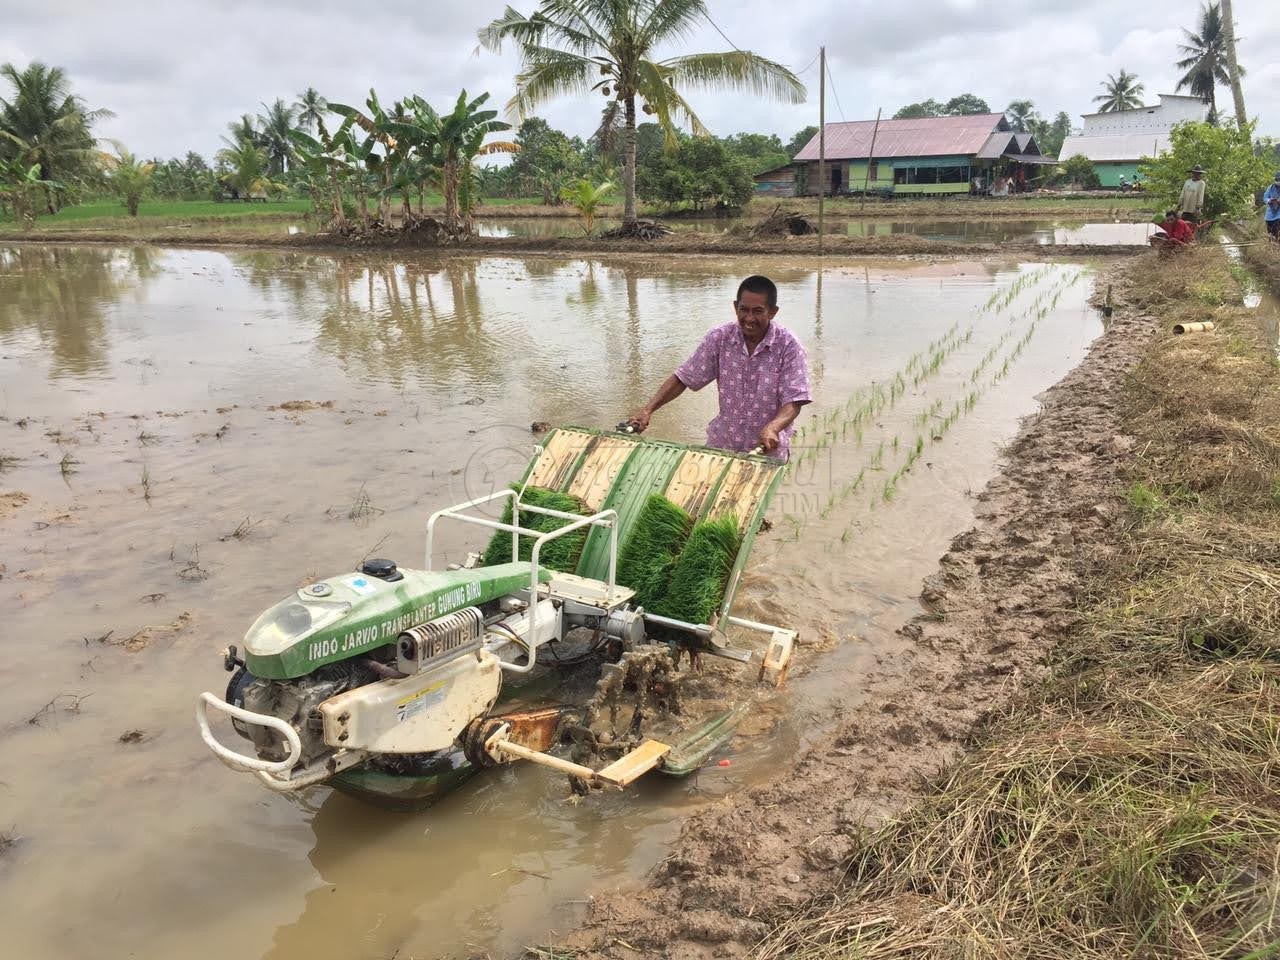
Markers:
(176, 73)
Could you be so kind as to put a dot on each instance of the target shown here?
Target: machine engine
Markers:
(297, 702)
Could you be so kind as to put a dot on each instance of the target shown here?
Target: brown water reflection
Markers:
(172, 365)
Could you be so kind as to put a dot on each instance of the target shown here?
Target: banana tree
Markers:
(380, 125)
(20, 187)
(320, 159)
(459, 137)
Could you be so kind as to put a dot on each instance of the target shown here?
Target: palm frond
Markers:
(737, 70)
(669, 20)
(553, 74)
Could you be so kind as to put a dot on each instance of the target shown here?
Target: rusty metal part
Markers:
(536, 729)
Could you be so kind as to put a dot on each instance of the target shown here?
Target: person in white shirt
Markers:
(1191, 203)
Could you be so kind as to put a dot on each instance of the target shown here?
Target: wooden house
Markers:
(928, 155)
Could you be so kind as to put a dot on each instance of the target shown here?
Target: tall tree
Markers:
(1122, 93)
(1051, 135)
(244, 130)
(965, 104)
(1234, 69)
(274, 128)
(802, 137)
(1022, 115)
(1205, 62)
(916, 111)
(52, 125)
(310, 108)
(572, 46)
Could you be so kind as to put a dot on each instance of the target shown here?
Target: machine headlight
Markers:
(290, 620)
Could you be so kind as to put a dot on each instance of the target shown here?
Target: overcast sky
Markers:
(175, 72)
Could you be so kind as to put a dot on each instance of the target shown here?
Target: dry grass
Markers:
(1129, 807)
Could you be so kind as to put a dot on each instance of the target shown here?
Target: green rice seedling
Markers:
(67, 465)
(647, 558)
(895, 443)
(701, 572)
(561, 554)
(919, 445)
(146, 482)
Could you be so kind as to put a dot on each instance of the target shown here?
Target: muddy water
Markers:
(156, 495)
(1044, 232)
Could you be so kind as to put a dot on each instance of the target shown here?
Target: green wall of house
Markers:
(1109, 173)
(857, 175)
(931, 188)
(853, 173)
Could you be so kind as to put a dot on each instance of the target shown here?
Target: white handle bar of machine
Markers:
(235, 759)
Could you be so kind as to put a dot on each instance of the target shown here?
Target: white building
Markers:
(1115, 141)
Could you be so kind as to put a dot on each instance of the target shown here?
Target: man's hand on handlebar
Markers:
(639, 420)
(769, 438)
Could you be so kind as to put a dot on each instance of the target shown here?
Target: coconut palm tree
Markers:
(247, 166)
(310, 108)
(54, 125)
(127, 176)
(586, 197)
(1233, 64)
(245, 130)
(573, 46)
(1122, 93)
(1021, 115)
(274, 128)
(1206, 58)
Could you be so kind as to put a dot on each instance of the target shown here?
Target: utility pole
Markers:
(822, 144)
(1233, 68)
(866, 181)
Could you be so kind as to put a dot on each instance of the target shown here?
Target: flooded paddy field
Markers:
(185, 436)
(1043, 232)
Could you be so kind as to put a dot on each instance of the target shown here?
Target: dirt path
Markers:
(683, 243)
(1004, 593)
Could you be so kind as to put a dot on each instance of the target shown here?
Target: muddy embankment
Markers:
(679, 243)
(1004, 594)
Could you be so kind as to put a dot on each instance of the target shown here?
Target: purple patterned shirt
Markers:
(753, 387)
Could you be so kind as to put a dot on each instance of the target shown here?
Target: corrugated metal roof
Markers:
(1030, 158)
(1120, 147)
(997, 145)
(923, 137)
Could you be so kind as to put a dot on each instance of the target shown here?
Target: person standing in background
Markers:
(1191, 203)
(1271, 208)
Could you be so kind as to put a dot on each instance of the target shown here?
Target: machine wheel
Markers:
(473, 738)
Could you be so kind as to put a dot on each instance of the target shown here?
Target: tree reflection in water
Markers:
(63, 297)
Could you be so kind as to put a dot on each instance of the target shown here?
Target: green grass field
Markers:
(112, 213)
(174, 209)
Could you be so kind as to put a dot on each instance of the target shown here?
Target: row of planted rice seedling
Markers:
(865, 403)
(933, 423)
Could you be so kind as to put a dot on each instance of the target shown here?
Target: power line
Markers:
(721, 32)
(808, 68)
(834, 93)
